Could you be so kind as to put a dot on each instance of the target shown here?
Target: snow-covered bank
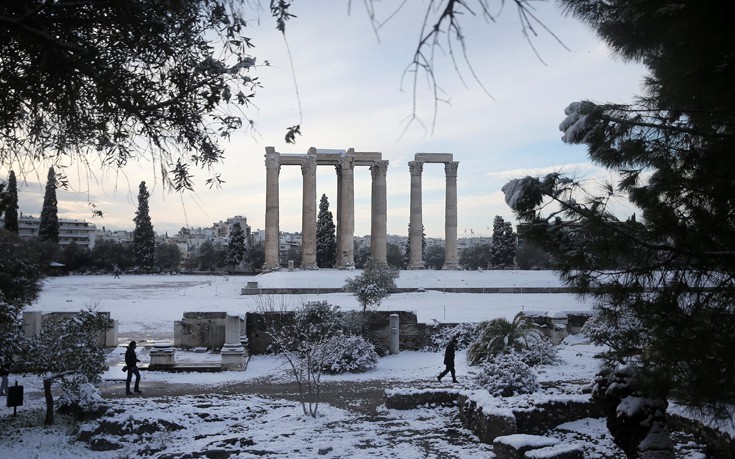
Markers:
(146, 306)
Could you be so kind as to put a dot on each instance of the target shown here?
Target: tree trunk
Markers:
(49, 402)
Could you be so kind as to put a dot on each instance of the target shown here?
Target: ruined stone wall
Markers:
(200, 329)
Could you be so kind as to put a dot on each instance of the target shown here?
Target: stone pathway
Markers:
(363, 397)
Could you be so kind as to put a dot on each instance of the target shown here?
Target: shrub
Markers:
(499, 336)
(78, 395)
(506, 375)
(349, 354)
(466, 334)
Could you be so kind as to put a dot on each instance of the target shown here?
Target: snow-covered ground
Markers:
(146, 306)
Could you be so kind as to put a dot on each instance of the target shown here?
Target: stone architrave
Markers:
(308, 215)
(378, 222)
(272, 167)
(450, 216)
(415, 237)
(346, 212)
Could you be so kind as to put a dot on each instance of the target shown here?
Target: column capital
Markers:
(380, 168)
(272, 160)
(347, 163)
(450, 168)
(416, 167)
(308, 165)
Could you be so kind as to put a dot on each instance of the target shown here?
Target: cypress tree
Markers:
(144, 239)
(11, 211)
(49, 227)
(326, 239)
(504, 246)
(236, 246)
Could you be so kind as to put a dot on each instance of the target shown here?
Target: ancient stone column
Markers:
(415, 237)
(378, 214)
(338, 216)
(308, 211)
(346, 228)
(450, 217)
(272, 169)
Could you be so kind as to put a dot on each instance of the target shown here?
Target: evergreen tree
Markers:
(144, 239)
(478, 256)
(168, 257)
(504, 244)
(236, 246)
(667, 309)
(435, 256)
(11, 208)
(326, 239)
(255, 256)
(49, 226)
(394, 256)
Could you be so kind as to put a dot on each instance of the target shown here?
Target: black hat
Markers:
(132, 344)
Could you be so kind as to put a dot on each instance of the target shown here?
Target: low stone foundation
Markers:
(488, 420)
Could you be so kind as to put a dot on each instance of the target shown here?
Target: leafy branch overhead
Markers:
(114, 81)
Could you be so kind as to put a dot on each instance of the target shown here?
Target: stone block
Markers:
(487, 426)
(517, 445)
(434, 157)
(32, 323)
(201, 329)
(233, 357)
(162, 355)
(568, 451)
(111, 335)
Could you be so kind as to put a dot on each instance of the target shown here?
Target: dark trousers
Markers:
(131, 371)
(450, 368)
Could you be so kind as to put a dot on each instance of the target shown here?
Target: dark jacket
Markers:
(449, 355)
(131, 359)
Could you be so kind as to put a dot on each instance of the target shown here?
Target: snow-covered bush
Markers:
(500, 336)
(506, 375)
(538, 350)
(349, 354)
(373, 285)
(79, 395)
(466, 334)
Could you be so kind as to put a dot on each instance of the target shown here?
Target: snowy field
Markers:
(147, 306)
(215, 416)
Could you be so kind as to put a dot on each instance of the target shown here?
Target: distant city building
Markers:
(78, 231)
(119, 236)
(188, 240)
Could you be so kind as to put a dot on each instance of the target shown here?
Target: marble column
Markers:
(308, 211)
(345, 249)
(272, 169)
(378, 214)
(416, 226)
(450, 217)
(338, 216)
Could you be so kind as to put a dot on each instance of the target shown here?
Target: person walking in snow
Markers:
(449, 360)
(131, 362)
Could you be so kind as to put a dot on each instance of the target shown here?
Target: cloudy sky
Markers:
(353, 94)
